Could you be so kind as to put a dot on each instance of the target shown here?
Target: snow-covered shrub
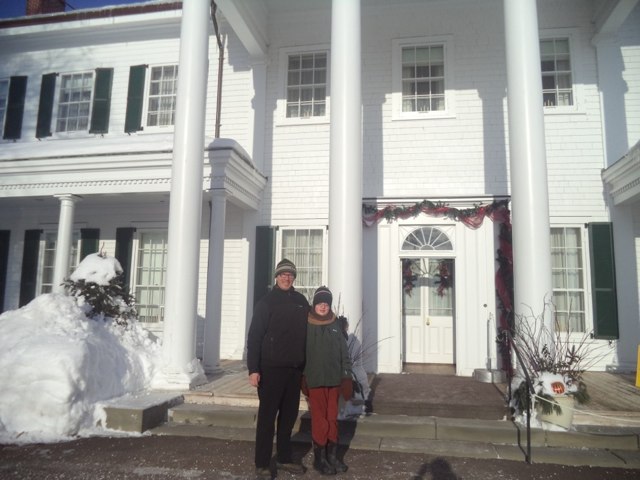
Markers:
(98, 286)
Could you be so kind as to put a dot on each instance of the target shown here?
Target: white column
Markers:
(63, 243)
(213, 316)
(528, 163)
(181, 368)
(345, 181)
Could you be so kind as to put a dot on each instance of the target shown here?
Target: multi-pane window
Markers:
(304, 248)
(423, 77)
(4, 97)
(150, 275)
(568, 278)
(557, 83)
(161, 104)
(307, 85)
(74, 102)
(48, 258)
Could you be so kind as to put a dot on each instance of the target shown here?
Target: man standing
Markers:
(275, 360)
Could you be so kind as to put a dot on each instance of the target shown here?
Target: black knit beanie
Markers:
(286, 266)
(322, 295)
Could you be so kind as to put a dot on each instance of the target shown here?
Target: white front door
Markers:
(428, 310)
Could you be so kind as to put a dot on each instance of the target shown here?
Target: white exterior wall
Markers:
(462, 155)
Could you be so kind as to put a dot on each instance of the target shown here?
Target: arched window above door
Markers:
(427, 238)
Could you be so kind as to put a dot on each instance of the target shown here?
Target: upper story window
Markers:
(4, 97)
(557, 77)
(151, 97)
(74, 102)
(161, 102)
(422, 77)
(307, 85)
(304, 74)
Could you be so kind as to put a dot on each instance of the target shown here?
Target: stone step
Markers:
(375, 429)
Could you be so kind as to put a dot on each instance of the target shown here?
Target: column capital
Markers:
(68, 196)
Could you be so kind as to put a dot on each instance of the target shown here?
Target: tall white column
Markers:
(257, 122)
(213, 316)
(345, 180)
(181, 368)
(63, 243)
(528, 163)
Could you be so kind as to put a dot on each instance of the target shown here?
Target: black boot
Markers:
(334, 461)
(320, 462)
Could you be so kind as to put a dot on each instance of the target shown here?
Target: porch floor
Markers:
(433, 390)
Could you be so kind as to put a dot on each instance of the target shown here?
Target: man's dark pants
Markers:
(279, 394)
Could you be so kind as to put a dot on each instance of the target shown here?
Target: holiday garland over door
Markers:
(498, 212)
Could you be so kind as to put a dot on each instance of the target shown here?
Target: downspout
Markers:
(214, 8)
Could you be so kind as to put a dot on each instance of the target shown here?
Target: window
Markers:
(307, 85)
(149, 276)
(161, 102)
(4, 98)
(567, 269)
(422, 77)
(48, 258)
(74, 102)
(427, 238)
(304, 247)
(557, 79)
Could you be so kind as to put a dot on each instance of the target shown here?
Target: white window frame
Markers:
(323, 229)
(586, 277)
(446, 41)
(74, 257)
(150, 325)
(147, 93)
(283, 70)
(4, 103)
(574, 53)
(56, 104)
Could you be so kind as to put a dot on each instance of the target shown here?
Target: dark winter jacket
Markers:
(328, 361)
(278, 331)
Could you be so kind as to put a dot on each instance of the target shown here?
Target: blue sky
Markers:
(17, 8)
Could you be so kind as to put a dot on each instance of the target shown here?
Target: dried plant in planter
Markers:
(555, 360)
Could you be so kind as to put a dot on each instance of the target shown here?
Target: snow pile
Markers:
(57, 366)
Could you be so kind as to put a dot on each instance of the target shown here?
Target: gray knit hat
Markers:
(286, 266)
(322, 295)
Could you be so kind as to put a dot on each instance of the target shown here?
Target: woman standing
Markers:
(327, 374)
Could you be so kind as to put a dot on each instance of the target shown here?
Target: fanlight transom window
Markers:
(427, 238)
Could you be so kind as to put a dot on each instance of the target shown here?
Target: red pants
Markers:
(323, 403)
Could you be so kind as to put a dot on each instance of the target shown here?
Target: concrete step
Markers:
(376, 429)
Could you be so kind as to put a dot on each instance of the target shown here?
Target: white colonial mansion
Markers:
(441, 165)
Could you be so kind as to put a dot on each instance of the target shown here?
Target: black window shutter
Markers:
(603, 281)
(15, 108)
(264, 261)
(135, 98)
(45, 108)
(29, 276)
(124, 250)
(101, 101)
(89, 241)
(4, 261)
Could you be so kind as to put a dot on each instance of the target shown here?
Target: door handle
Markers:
(428, 321)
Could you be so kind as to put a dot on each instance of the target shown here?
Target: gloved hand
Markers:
(304, 388)
(346, 388)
